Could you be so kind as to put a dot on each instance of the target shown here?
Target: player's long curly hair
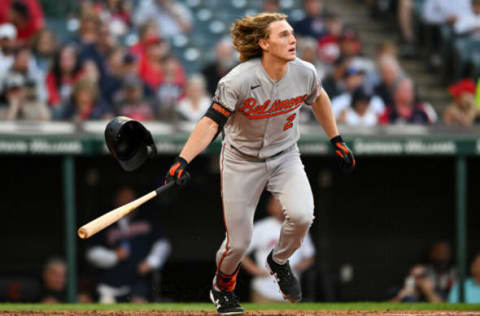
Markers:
(247, 31)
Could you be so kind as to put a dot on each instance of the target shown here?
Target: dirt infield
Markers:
(249, 313)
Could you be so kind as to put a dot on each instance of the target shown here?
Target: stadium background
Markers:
(380, 220)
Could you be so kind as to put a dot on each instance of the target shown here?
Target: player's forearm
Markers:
(252, 268)
(305, 264)
(249, 265)
(432, 296)
(322, 109)
(200, 138)
(102, 257)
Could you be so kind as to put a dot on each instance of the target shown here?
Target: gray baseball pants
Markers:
(243, 179)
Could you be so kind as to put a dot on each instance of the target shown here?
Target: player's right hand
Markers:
(344, 154)
(177, 172)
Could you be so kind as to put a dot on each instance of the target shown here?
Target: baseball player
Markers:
(256, 105)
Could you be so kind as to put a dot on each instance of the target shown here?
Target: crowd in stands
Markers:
(446, 35)
(96, 74)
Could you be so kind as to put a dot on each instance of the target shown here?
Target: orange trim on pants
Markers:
(224, 221)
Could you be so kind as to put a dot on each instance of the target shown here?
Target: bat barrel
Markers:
(83, 233)
(111, 217)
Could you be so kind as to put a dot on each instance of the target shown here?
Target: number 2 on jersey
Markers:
(289, 123)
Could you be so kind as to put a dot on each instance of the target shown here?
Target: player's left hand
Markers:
(344, 155)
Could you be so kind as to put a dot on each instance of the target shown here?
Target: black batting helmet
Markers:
(129, 142)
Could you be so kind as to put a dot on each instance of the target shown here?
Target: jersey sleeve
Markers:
(226, 95)
(315, 87)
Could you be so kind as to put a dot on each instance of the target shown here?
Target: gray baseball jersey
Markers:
(263, 122)
(260, 152)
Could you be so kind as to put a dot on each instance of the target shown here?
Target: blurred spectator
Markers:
(386, 48)
(130, 64)
(63, 75)
(88, 31)
(432, 281)
(172, 17)
(436, 15)
(111, 83)
(221, 65)
(196, 101)
(147, 33)
(127, 253)
(361, 112)
(130, 67)
(354, 80)
(44, 48)
(85, 104)
(467, 29)
(90, 71)
(21, 103)
(463, 111)
(106, 42)
(313, 24)
(471, 285)
(171, 88)
(151, 67)
(406, 109)
(54, 281)
(87, 39)
(351, 46)
(384, 51)
(25, 15)
(264, 238)
(469, 23)
(24, 66)
(307, 50)
(116, 14)
(440, 12)
(329, 43)
(132, 102)
(390, 75)
(334, 83)
(8, 35)
(271, 6)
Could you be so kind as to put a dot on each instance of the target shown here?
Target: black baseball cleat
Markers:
(288, 283)
(226, 303)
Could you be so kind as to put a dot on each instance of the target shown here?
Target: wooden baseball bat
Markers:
(107, 219)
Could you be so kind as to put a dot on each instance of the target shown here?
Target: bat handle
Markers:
(184, 179)
(164, 187)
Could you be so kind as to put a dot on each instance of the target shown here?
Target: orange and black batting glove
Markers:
(176, 170)
(344, 155)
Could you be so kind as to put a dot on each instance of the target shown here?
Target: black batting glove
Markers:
(344, 155)
(177, 172)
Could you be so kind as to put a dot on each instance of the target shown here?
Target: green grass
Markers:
(367, 306)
